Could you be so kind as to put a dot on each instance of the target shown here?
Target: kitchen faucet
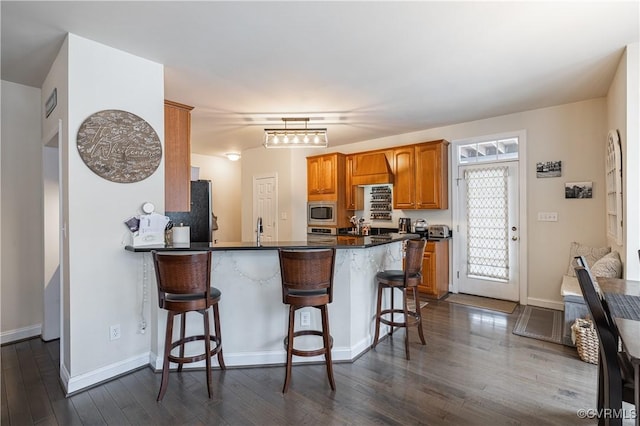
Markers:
(258, 230)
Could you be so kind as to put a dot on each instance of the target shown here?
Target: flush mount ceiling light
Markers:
(233, 156)
(296, 138)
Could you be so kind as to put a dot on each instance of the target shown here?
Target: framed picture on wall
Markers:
(547, 169)
(578, 190)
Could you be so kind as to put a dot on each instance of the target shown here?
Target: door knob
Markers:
(514, 238)
(513, 228)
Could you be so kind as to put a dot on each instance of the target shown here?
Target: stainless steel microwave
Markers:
(322, 213)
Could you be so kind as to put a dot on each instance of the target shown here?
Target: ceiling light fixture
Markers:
(296, 138)
(233, 156)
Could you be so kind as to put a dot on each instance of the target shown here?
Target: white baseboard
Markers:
(279, 357)
(83, 381)
(20, 333)
(545, 303)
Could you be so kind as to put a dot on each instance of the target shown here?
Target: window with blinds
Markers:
(487, 222)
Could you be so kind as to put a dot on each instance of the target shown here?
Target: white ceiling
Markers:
(362, 69)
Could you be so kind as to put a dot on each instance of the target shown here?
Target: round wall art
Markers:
(119, 146)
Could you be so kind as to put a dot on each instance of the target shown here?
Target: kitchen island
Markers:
(253, 318)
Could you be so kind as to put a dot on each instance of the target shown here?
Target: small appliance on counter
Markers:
(404, 225)
(438, 231)
(420, 227)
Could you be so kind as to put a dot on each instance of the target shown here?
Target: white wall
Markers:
(57, 78)
(632, 153)
(225, 177)
(21, 227)
(282, 162)
(104, 281)
(574, 134)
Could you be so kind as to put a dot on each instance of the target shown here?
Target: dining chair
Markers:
(615, 372)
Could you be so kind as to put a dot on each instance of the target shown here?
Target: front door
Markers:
(488, 231)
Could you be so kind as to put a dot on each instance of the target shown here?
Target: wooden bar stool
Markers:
(307, 281)
(184, 285)
(409, 279)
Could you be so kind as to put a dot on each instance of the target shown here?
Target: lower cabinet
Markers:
(435, 269)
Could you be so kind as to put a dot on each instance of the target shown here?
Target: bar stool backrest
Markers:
(182, 274)
(307, 276)
(413, 261)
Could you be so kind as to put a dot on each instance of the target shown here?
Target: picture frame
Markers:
(548, 169)
(578, 190)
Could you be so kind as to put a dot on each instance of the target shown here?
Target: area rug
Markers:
(540, 323)
(482, 302)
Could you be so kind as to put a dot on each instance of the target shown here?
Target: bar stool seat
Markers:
(403, 280)
(307, 281)
(184, 285)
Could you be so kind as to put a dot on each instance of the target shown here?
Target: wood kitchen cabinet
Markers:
(432, 175)
(325, 176)
(435, 269)
(177, 157)
(404, 176)
(354, 194)
(421, 176)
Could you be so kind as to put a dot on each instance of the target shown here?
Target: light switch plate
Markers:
(547, 216)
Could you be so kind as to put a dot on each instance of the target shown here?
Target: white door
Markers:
(488, 230)
(265, 205)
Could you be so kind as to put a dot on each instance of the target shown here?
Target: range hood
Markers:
(371, 169)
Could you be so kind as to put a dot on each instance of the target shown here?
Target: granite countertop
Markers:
(339, 242)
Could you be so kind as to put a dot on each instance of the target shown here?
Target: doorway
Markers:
(52, 226)
(488, 210)
(265, 205)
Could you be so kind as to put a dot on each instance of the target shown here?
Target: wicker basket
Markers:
(586, 340)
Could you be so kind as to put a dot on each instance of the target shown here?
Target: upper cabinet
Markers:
(354, 194)
(404, 188)
(325, 175)
(421, 176)
(432, 175)
(177, 157)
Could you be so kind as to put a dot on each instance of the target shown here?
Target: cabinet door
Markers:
(404, 188)
(322, 177)
(429, 271)
(328, 169)
(354, 199)
(177, 157)
(432, 175)
(313, 176)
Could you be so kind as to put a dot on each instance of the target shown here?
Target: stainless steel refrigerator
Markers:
(200, 218)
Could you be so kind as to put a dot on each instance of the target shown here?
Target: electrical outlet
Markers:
(114, 332)
(305, 319)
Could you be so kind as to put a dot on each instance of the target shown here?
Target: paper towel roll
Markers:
(181, 235)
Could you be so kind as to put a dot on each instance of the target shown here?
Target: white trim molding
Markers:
(109, 372)
(20, 333)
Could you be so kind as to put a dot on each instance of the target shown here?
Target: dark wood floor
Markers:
(473, 371)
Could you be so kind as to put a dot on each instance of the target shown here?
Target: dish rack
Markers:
(380, 205)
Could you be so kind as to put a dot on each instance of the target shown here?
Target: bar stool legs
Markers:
(326, 348)
(181, 359)
(410, 318)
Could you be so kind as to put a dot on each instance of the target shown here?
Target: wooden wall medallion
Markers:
(119, 146)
